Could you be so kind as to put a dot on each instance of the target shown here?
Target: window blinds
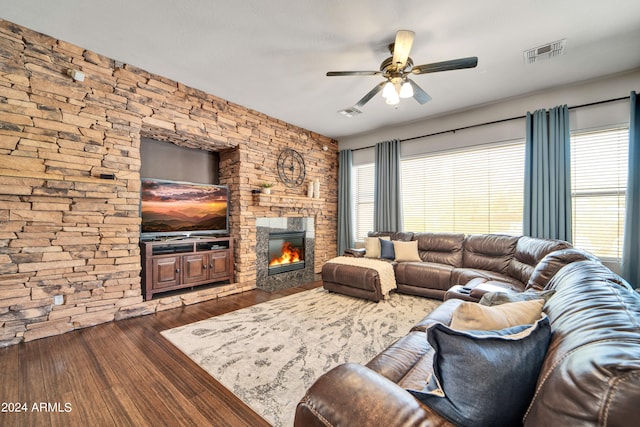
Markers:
(480, 190)
(471, 190)
(363, 199)
(599, 181)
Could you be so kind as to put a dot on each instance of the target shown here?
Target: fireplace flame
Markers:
(289, 255)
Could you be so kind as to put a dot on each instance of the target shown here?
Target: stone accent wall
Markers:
(67, 233)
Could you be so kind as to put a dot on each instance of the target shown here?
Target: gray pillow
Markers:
(483, 378)
(497, 298)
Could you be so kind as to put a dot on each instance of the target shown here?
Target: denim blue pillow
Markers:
(483, 378)
(386, 249)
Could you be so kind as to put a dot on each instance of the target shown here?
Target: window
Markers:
(363, 182)
(480, 190)
(472, 190)
(599, 181)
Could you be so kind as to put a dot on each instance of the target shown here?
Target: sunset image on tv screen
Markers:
(169, 207)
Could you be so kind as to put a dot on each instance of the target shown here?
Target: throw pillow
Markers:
(406, 251)
(485, 378)
(386, 249)
(497, 298)
(471, 316)
(372, 246)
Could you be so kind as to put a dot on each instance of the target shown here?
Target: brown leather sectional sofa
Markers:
(590, 375)
(448, 260)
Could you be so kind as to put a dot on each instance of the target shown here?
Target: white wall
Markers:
(616, 86)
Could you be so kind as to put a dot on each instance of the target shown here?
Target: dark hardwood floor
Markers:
(123, 374)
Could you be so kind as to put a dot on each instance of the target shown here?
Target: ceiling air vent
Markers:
(350, 112)
(546, 51)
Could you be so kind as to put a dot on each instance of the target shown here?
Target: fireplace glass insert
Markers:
(286, 251)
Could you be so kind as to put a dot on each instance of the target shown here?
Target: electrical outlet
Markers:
(58, 299)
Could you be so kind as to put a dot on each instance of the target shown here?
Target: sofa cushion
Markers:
(372, 246)
(552, 263)
(406, 251)
(404, 236)
(472, 316)
(442, 248)
(529, 252)
(386, 249)
(483, 378)
(462, 276)
(492, 252)
(424, 275)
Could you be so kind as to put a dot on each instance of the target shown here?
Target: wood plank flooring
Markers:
(123, 374)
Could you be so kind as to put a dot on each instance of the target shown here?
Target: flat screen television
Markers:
(183, 209)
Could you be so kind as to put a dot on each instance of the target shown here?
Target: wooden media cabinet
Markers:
(169, 265)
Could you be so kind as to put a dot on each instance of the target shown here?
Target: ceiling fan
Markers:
(396, 71)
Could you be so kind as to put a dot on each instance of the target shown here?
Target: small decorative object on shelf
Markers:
(266, 187)
(316, 188)
(310, 189)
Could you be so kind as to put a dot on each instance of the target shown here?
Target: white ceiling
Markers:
(272, 56)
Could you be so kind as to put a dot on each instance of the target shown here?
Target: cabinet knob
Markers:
(177, 270)
(204, 266)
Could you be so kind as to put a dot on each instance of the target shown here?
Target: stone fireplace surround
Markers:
(264, 226)
(66, 232)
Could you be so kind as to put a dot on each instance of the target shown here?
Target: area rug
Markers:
(271, 353)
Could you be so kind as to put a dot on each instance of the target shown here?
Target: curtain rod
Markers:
(497, 121)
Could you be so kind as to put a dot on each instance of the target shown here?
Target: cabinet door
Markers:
(166, 271)
(219, 264)
(194, 268)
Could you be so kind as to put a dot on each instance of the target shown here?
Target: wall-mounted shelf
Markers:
(58, 177)
(286, 201)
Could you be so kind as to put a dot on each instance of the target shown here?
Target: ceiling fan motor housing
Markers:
(389, 69)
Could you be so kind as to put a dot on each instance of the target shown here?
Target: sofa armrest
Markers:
(354, 252)
(352, 394)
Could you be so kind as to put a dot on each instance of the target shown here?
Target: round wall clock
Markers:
(291, 168)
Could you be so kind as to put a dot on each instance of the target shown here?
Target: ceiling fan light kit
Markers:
(396, 70)
(390, 94)
(406, 91)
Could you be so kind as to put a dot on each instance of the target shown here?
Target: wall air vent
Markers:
(547, 51)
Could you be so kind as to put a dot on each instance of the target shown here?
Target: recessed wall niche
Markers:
(165, 160)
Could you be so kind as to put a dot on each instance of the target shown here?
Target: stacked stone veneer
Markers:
(66, 232)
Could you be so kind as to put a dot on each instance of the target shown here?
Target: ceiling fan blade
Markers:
(402, 47)
(353, 73)
(418, 94)
(454, 64)
(373, 92)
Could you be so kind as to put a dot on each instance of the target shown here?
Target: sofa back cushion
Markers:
(491, 252)
(591, 373)
(403, 236)
(529, 252)
(441, 248)
(552, 263)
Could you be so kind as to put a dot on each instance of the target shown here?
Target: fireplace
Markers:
(294, 234)
(286, 251)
